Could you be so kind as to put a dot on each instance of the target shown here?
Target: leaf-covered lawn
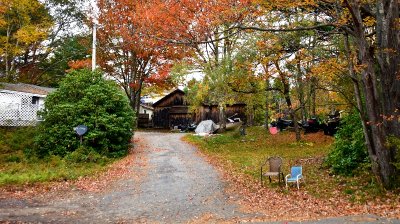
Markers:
(324, 194)
(86, 177)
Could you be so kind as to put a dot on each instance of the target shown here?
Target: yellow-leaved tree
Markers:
(24, 25)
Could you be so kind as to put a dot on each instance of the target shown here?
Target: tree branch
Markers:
(190, 43)
(284, 29)
(273, 89)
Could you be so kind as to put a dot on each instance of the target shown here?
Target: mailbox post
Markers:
(80, 131)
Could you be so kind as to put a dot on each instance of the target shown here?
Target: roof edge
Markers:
(168, 95)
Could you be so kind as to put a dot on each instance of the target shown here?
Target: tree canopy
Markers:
(343, 48)
(23, 26)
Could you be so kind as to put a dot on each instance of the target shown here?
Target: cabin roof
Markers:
(26, 88)
(168, 96)
(146, 106)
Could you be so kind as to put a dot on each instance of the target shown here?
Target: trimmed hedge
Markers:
(85, 98)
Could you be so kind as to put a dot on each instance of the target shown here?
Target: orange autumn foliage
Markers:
(140, 40)
(80, 64)
(191, 21)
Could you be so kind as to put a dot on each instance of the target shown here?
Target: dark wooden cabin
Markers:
(172, 110)
(211, 112)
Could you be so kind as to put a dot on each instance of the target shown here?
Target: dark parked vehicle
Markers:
(312, 125)
(190, 127)
(332, 124)
(283, 124)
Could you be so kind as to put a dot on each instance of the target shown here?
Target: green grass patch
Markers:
(250, 151)
(52, 169)
(245, 154)
(56, 169)
(19, 166)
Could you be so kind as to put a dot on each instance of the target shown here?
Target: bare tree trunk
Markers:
(222, 119)
(388, 41)
(292, 112)
(388, 38)
(136, 102)
(373, 109)
(300, 91)
(313, 86)
(286, 93)
(6, 56)
(381, 89)
(295, 124)
(267, 105)
(250, 120)
(360, 107)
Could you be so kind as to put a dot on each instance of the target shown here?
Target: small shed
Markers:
(19, 103)
(172, 110)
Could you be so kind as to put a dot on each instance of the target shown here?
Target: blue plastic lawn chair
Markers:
(296, 174)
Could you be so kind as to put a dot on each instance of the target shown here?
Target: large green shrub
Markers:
(85, 98)
(349, 150)
(14, 142)
(16, 139)
(395, 142)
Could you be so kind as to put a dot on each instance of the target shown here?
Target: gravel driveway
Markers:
(170, 183)
(175, 186)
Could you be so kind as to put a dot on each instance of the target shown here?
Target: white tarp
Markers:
(207, 126)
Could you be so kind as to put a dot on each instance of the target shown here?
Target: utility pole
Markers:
(95, 11)
(94, 47)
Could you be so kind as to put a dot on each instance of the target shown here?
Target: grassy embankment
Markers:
(245, 154)
(19, 165)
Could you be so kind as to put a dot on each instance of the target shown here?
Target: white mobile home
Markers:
(19, 103)
(146, 109)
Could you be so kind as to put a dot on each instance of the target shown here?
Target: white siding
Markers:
(143, 110)
(17, 109)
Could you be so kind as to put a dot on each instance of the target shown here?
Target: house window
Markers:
(35, 100)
